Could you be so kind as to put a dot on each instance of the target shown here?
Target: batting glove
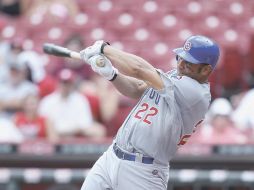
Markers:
(107, 70)
(96, 49)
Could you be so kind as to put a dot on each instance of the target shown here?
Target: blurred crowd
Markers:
(61, 101)
(56, 99)
(60, 98)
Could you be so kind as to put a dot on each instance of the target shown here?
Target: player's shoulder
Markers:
(191, 90)
(184, 86)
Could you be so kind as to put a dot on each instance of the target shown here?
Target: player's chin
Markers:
(180, 72)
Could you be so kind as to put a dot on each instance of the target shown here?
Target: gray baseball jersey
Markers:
(164, 119)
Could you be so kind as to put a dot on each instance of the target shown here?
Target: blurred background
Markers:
(57, 116)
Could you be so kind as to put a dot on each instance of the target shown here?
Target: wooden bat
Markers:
(60, 51)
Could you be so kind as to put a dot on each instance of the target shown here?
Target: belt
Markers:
(131, 157)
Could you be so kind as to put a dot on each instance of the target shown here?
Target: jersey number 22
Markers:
(144, 107)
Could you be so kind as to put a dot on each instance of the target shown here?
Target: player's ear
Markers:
(206, 70)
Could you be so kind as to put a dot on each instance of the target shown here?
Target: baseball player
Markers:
(170, 106)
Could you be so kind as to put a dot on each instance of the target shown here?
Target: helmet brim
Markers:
(186, 55)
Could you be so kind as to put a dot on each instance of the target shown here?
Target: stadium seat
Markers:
(83, 23)
(230, 73)
(249, 60)
(233, 38)
(129, 5)
(123, 24)
(173, 5)
(211, 25)
(87, 3)
(148, 11)
(167, 25)
(104, 11)
(246, 26)
(100, 33)
(158, 53)
(234, 11)
(193, 11)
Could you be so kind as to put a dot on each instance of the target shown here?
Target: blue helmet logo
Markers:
(199, 50)
(187, 46)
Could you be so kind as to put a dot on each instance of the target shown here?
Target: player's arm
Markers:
(129, 86)
(126, 85)
(134, 66)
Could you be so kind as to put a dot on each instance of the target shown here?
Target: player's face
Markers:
(188, 69)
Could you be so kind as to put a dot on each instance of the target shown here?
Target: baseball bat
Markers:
(60, 51)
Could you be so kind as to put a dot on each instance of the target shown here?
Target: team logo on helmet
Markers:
(187, 46)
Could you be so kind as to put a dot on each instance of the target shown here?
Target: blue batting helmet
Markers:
(199, 50)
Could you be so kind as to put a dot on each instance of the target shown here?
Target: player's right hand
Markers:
(95, 49)
(107, 70)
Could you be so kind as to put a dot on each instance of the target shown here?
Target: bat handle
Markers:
(75, 55)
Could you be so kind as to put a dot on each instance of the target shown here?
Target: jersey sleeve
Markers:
(182, 89)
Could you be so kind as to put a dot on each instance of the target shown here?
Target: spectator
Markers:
(53, 10)
(11, 7)
(8, 54)
(112, 108)
(218, 127)
(29, 122)
(81, 70)
(90, 90)
(9, 132)
(13, 92)
(14, 8)
(36, 72)
(243, 114)
(69, 111)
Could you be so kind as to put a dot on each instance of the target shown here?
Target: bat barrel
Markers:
(56, 50)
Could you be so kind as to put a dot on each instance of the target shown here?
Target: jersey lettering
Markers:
(144, 108)
(195, 128)
(155, 95)
(152, 112)
(184, 138)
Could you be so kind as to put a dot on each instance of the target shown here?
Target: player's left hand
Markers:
(95, 49)
(107, 71)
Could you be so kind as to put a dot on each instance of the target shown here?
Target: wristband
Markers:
(114, 77)
(103, 46)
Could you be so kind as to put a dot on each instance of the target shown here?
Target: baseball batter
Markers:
(171, 105)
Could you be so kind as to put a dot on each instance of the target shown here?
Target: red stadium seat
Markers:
(173, 5)
(100, 33)
(84, 5)
(178, 37)
(83, 23)
(246, 26)
(249, 61)
(230, 73)
(233, 38)
(129, 5)
(211, 25)
(193, 11)
(167, 24)
(104, 11)
(234, 11)
(148, 11)
(158, 53)
(123, 24)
